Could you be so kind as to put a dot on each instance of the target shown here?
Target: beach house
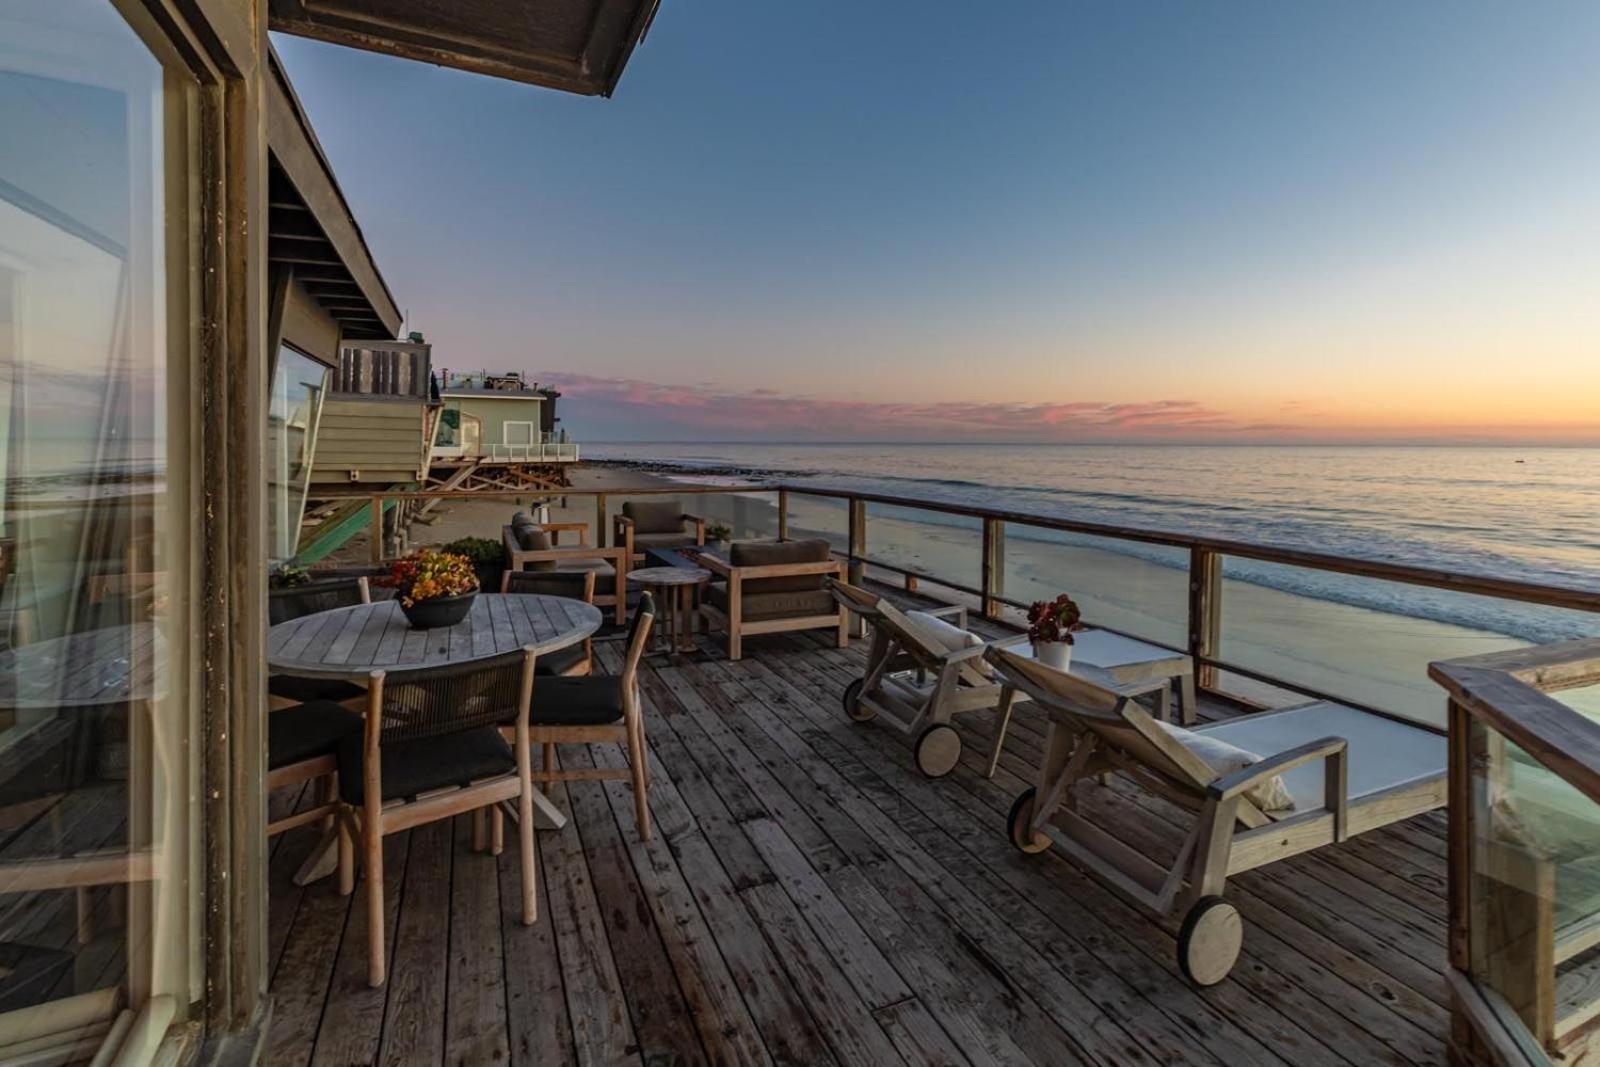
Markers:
(737, 859)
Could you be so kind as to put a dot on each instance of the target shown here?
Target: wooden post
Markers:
(994, 567)
(377, 529)
(783, 514)
(600, 523)
(856, 571)
(858, 541)
(1205, 612)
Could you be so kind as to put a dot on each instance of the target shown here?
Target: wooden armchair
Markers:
(646, 524)
(773, 587)
(531, 546)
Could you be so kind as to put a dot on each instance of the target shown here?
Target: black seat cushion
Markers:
(291, 687)
(307, 731)
(587, 701)
(559, 661)
(421, 766)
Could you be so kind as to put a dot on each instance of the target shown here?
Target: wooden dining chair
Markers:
(323, 594)
(431, 748)
(574, 660)
(596, 709)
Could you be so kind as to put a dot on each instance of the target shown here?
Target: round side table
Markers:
(676, 589)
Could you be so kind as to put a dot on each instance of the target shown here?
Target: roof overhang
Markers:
(310, 228)
(579, 46)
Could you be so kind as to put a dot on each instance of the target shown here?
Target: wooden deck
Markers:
(810, 898)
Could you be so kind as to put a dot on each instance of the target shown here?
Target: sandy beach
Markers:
(1373, 657)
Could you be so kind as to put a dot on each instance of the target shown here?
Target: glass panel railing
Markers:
(1369, 640)
(1534, 888)
(820, 516)
(1139, 589)
(938, 545)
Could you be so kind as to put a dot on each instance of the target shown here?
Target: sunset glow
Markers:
(1384, 227)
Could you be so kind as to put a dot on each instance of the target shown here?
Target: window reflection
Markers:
(299, 384)
(86, 735)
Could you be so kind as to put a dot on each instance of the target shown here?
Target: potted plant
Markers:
(289, 576)
(488, 558)
(717, 535)
(434, 588)
(1051, 624)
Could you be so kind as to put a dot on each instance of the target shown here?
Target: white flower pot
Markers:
(1054, 654)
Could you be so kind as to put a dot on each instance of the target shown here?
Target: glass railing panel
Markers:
(1534, 892)
(942, 546)
(820, 516)
(747, 516)
(1369, 640)
(1138, 589)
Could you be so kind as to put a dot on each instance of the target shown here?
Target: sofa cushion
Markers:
(772, 553)
(306, 731)
(602, 570)
(654, 516)
(1223, 758)
(427, 763)
(676, 539)
(784, 604)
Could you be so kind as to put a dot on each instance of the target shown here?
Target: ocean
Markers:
(1524, 513)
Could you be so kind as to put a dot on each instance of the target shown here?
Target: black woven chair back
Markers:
(647, 607)
(322, 595)
(432, 702)
(570, 584)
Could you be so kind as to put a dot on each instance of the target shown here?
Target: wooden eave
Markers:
(310, 228)
(578, 46)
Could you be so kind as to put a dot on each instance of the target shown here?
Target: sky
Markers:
(1173, 221)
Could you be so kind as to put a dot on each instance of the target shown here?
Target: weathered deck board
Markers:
(808, 897)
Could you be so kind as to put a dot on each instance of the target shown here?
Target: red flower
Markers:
(1054, 620)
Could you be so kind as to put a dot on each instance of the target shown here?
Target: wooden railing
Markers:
(1523, 975)
(1205, 556)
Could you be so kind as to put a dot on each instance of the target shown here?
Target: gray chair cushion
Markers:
(576, 701)
(654, 516)
(291, 687)
(772, 553)
(307, 731)
(784, 604)
(602, 569)
(429, 763)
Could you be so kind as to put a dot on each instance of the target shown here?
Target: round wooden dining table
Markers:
(352, 642)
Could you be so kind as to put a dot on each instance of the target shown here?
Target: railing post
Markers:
(858, 553)
(783, 514)
(600, 521)
(377, 529)
(858, 540)
(1205, 612)
(994, 567)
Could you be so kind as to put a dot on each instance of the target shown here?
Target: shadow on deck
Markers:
(810, 898)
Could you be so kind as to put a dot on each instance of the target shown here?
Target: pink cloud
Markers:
(599, 407)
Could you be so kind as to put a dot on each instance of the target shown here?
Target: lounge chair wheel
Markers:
(1209, 941)
(852, 702)
(938, 750)
(1017, 824)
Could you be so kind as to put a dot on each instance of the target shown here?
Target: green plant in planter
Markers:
(718, 532)
(288, 576)
(488, 558)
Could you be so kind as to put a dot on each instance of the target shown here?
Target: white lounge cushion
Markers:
(1220, 756)
(1382, 754)
(950, 637)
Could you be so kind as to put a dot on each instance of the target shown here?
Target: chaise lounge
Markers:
(1252, 782)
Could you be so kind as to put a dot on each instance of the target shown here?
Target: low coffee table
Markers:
(676, 589)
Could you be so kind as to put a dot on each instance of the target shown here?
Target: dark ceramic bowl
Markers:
(440, 611)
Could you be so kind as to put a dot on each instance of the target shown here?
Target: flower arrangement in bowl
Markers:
(1051, 624)
(434, 588)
